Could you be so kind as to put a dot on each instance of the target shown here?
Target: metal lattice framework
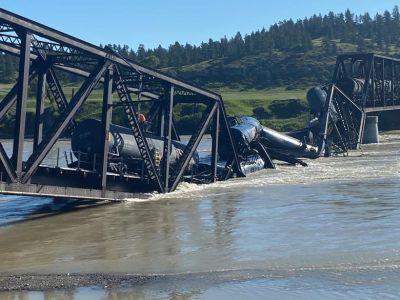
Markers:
(362, 84)
(379, 76)
(43, 52)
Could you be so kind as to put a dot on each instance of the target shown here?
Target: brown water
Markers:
(331, 231)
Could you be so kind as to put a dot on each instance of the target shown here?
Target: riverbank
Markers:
(43, 282)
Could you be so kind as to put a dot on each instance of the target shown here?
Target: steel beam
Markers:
(380, 109)
(175, 134)
(393, 81)
(225, 125)
(106, 121)
(58, 94)
(11, 97)
(161, 121)
(361, 129)
(63, 120)
(214, 149)
(324, 133)
(40, 97)
(367, 81)
(169, 106)
(22, 96)
(6, 165)
(153, 113)
(137, 131)
(192, 145)
(373, 85)
(8, 101)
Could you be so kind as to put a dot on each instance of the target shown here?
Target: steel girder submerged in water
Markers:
(44, 53)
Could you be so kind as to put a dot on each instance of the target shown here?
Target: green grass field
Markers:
(243, 102)
(237, 103)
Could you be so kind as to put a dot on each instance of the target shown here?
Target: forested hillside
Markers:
(287, 53)
(265, 73)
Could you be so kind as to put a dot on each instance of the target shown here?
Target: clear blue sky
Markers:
(154, 22)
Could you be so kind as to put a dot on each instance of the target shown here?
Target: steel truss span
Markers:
(44, 55)
(362, 84)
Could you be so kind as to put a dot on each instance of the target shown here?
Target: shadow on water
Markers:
(15, 210)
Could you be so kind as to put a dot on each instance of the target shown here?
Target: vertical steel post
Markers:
(169, 105)
(392, 83)
(215, 141)
(22, 95)
(373, 80)
(383, 83)
(106, 121)
(336, 72)
(361, 129)
(58, 157)
(368, 77)
(40, 96)
(161, 120)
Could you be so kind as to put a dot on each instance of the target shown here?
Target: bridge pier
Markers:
(371, 132)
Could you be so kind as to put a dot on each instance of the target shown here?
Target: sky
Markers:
(162, 22)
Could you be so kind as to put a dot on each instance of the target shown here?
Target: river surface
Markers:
(328, 231)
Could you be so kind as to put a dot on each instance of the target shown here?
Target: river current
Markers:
(327, 231)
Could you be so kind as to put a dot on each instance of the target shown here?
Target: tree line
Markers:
(288, 35)
(381, 30)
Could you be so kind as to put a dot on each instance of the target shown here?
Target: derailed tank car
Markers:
(123, 154)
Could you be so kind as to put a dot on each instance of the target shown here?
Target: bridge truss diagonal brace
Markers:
(360, 131)
(168, 110)
(22, 97)
(324, 133)
(137, 131)
(370, 69)
(11, 97)
(214, 146)
(225, 126)
(63, 120)
(58, 94)
(7, 165)
(8, 101)
(193, 144)
(39, 111)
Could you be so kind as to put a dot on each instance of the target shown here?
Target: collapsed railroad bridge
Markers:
(112, 162)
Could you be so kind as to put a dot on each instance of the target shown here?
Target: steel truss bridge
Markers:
(43, 54)
(363, 84)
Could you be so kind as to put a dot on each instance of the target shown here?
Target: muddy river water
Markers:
(328, 231)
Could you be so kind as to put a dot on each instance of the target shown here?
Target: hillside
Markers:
(265, 73)
(253, 85)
